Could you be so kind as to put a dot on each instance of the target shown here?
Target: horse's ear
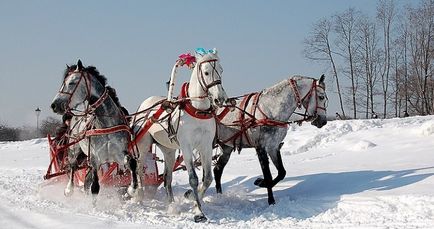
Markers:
(67, 66)
(79, 65)
(321, 79)
(214, 50)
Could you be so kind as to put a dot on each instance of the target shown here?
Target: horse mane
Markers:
(277, 88)
(101, 78)
(91, 70)
(112, 93)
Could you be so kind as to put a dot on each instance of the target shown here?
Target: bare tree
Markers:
(346, 31)
(49, 126)
(420, 38)
(385, 15)
(318, 48)
(368, 58)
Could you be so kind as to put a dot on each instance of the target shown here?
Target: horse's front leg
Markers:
(267, 181)
(70, 185)
(199, 216)
(206, 160)
(135, 189)
(276, 158)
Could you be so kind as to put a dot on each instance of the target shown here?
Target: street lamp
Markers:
(37, 112)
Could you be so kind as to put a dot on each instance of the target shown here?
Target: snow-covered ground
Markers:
(349, 174)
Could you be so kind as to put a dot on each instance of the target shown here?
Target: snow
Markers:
(349, 174)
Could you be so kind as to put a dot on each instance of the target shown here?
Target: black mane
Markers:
(112, 92)
(101, 78)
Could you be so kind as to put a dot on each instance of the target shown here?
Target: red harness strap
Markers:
(190, 109)
(242, 122)
(149, 122)
(223, 114)
(109, 130)
(250, 122)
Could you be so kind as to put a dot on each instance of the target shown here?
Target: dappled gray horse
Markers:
(98, 125)
(261, 120)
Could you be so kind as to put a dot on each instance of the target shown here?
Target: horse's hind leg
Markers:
(221, 163)
(267, 181)
(169, 162)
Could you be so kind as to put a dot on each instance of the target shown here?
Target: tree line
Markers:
(48, 126)
(381, 64)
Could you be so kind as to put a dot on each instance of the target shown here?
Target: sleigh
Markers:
(110, 174)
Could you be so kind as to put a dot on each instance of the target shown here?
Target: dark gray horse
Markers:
(260, 121)
(98, 125)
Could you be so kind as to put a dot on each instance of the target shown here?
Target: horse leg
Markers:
(206, 160)
(267, 181)
(169, 162)
(193, 180)
(221, 163)
(94, 188)
(133, 190)
(276, 158)
(70, 186)
(73, 164)
(88, 179)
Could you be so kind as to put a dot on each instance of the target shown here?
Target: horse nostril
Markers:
(53, 106)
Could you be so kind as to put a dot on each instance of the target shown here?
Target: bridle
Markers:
(85, 77)
(216, 80)
(305, 101)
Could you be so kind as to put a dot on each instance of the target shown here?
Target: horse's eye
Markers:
(321, 97)
(206, 73)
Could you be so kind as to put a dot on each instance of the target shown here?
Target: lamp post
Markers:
(37, 112)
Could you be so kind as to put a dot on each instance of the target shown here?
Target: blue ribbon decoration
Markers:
(202, 51)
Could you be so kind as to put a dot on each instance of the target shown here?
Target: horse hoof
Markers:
(68, 192)
(219, 190)
(271, 202)
(139, 195)
(200, 218)
(260, 183)
(189, 194)
(131, 191)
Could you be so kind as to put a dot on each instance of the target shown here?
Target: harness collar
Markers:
(190, 109)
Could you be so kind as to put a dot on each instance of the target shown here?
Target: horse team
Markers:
(200, 119)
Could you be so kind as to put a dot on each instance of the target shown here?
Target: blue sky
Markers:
(135, 43)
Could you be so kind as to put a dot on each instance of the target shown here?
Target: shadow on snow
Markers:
(315, 193)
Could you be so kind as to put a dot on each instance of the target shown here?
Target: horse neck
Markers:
(108, 113)
(279, 102)
(200, 99)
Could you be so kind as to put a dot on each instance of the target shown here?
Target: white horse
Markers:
(193, 127)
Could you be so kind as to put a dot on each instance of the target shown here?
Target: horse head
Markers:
(208, 73)
(315, 102)
(81, 87)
